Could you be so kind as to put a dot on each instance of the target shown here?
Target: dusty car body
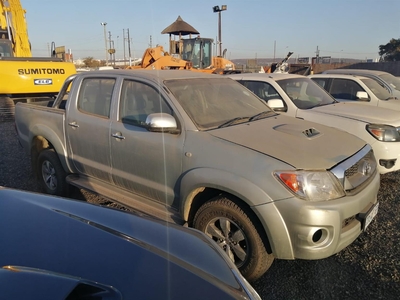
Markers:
(201, 150)
(55, 248)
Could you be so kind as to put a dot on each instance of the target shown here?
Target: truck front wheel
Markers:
(231, 228)
(51, 173)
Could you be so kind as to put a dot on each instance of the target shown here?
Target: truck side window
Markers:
(262, 89)
(138, 100)
(95, 96)
(321, 82)
(345, 89)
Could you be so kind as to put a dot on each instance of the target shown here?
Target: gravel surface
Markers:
(367, 269)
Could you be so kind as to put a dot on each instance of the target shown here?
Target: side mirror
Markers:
(362, 96)
(277, 105)
(161, 122)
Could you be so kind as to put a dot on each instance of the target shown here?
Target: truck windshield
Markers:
(305, 93)
(379, 91)
(216, 101)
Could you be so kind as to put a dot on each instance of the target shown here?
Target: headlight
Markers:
(384, 133)
(311, 185)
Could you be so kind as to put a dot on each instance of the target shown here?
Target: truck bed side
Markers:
(36, 122)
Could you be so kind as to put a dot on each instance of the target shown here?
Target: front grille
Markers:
(360, 172)
(351, 171)
(355, 172)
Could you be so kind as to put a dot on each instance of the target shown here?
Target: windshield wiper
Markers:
(391, 98)
(233, 121)
(263, 114)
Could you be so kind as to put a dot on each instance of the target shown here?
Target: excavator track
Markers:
(7, 109)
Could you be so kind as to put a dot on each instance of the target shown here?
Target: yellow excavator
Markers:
(21, 75)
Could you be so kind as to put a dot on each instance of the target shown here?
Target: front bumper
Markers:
(387, 155)
(316, 230)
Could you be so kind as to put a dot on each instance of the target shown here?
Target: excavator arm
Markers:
(21, 75)
(13, 27)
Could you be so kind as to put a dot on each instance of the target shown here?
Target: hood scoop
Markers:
(296, 131)
(311, 132)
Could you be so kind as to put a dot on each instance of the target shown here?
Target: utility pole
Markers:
(111, 47)
(129, 49)
(105, 40)
(124, 39)
(113, 52)
(218, 10)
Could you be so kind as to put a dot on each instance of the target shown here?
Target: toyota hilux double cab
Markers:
(201, 150)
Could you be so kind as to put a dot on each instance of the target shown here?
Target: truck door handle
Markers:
(73, 124)
(118, 135)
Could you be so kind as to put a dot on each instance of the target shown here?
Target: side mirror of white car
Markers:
(362, 96)
(277, 105)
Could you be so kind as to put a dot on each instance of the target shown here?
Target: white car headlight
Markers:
(311, 185)
(384, 133)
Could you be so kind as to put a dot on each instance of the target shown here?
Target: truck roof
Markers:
(152, 74)
(354, 71)
(275, 76)
(338, 75)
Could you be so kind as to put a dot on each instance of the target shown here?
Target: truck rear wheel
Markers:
(51, 173)
(231, 228)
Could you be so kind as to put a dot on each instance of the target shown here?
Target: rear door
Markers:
(88, 128)
(143, 162)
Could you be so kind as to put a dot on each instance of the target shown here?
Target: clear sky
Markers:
(250, 28)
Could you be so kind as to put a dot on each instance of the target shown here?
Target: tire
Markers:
(51, 173)
(231, 228)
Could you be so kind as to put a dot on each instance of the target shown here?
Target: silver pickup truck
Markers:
(202, 151)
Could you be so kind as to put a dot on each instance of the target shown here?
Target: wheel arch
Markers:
(203, 184)
(42, 137)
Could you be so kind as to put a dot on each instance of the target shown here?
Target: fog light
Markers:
(387, 163)
(319, 236)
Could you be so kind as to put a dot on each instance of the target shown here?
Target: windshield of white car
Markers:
(215, 102)
(379, 91)
(393, 81)
(305, 93)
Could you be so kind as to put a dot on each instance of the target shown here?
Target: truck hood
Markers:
(364, 113)
(302, 144)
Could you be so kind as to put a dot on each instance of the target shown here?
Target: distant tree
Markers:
(90, 62)
(390, 51)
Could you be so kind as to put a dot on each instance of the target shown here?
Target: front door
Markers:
(143, 162)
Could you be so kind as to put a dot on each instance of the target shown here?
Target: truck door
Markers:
(143, 162)
(88, 128)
